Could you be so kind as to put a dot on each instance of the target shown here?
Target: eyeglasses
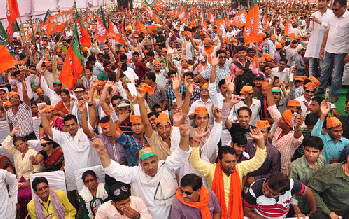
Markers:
(14, 98)
(186, 192)
(114, 105)
(335, 9)
(221, 57)
(309, 91)
(89, 180)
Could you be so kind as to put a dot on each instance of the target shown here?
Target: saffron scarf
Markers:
(235, 200)
(59, 209)
(209, 51)
(202, 204)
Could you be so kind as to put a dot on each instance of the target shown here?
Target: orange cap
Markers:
(164, 50)
(278, 46)
(262, 59)
(332, 122)
(100, 83)
(201, 110)
(315, 81)
(295, 103)
(310, 85)
(207, 40)
(298, 78)
(11, 94)
(288, 115)
(282, 41)
(135, 118)
(156, 62)
(247, 90)
(264, 84)
(262, 124)
(163, 117)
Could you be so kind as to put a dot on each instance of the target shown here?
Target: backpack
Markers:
(246, 78)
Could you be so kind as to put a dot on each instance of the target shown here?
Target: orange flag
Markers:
(12, 14)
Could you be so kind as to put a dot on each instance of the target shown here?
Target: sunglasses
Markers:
(89, 180)
(114, 105)
(335, 9)
(186, 192)
(309, 91)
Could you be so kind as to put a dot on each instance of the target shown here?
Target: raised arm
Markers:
(44, 121)
(147, 126)
(84, 122)
(106, 108)
(325, 109)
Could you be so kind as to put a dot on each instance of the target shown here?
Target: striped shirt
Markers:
(22, 119)
(286, 144)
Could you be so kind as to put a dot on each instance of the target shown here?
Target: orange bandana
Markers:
(135, 118)
(209, 51)
(202, 204)
(332, 122)
(103, 125)
(235, 199)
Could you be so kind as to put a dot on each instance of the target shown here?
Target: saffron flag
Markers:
(73, 64)
(251, 27)
(57, 22)
(289, 30)
(240, 19)
(7, 51)
(12, 14)
(85, 38)
(101, 31)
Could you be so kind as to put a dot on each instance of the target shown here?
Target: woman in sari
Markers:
(51, 156)
(56, 122)
(92, 195)
(21, 155)
(64, 106)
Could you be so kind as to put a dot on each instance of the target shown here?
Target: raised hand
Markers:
(189, 85)
(199, 133)
(184, 129)
(109, 84)
(235, 99)
(214, 61)
(229, 81)
(220, 33)
(325, 108)
(217, 113)
(14, 131)
(298, 120)
(42, 109)
(98, 145)
(94, 83)
(256, 134)
(176, 82)
(177, 116)
(82, 106)
(140, 94)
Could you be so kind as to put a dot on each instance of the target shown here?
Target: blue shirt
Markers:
(221, 73)
(331, 149)
(132, 144)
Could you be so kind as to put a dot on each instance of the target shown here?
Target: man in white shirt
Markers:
(76, 147)
(55, 94)
(283, 72)
(8, 199)
(319, 25)
(153, 181)
(335, 48)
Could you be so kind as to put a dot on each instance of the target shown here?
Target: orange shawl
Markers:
(202, 205)
(209, 52)
(235, 200)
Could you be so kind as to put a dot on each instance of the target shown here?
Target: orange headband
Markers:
(135, 118)
(104, 125)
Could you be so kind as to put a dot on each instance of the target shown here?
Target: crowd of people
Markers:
(184, 120)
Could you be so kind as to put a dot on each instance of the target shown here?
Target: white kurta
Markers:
(132, 175)
(8, 200)
(318, 33)
(78, 153)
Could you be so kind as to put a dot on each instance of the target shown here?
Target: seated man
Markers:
(41, 207)
(193, 200)
(334, 143)
(271, 197)
(331, 188)
(122, 204)
(305, 167)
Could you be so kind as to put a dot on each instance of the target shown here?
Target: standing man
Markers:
(319, 24)
(334, 49)
(76, 147)
(193, 200)
(8, 198)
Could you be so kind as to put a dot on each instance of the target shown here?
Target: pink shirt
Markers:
(286, 144)
(234, 68)
(107, 210)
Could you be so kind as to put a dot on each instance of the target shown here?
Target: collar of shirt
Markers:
(328, 138)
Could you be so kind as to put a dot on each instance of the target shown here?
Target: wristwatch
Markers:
(138, 216)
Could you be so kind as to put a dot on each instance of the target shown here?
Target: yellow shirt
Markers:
(207, 169)
(62, 198)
